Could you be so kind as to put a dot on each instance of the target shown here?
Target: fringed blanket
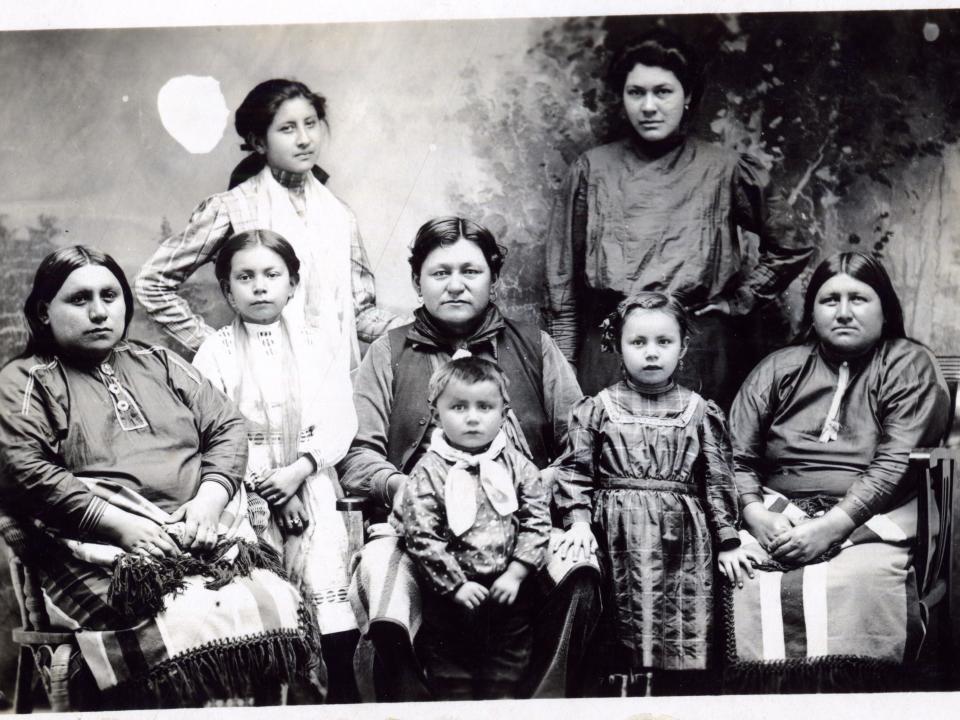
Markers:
(841, 624)
(192, 629)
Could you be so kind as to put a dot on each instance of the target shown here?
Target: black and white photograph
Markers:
(597, 363)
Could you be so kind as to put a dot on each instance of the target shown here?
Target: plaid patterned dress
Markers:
(652, 472)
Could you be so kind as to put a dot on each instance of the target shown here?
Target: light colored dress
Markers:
(317, 558)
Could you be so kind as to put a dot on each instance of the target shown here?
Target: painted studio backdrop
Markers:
(112, 137)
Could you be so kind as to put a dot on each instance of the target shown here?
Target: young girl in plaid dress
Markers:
(647, 483)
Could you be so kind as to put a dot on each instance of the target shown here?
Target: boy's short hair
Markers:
(469, 370)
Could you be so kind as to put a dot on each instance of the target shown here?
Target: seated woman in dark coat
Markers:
(456, 264)
(822, 432)
(124, 466)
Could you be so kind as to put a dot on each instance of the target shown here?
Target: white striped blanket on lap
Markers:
(860, 606)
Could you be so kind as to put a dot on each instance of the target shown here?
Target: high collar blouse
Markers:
(625, 221)
(895, 400)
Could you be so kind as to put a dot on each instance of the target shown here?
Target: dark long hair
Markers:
(257, 111)
(867, 270)
(659, 48)
(251, 238)
(449, 229)
(51, 274)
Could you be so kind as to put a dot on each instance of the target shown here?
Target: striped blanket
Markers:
(218, 635)
(384, 587)
(384, 581)
(860, 605)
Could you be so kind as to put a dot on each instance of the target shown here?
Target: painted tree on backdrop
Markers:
(855, 114)
(21, 256)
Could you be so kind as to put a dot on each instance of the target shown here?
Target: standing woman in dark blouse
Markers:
(661, 210)
(822, 433)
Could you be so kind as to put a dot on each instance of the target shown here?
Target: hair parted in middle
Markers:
(449, 229)
(251, 238)
(51, 274)
(658, 48)
(612, 327)
(865, 269)
(469, 370)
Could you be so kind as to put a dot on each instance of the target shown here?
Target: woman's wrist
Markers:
(838, 525)
(213, 493)
(111, 525)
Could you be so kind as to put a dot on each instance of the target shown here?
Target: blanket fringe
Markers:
(139, 583)
(831, 673)
(252, 667)
(834, 673)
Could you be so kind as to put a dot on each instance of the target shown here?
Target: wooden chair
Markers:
(937, 560)
(51, 653)
(54, 654)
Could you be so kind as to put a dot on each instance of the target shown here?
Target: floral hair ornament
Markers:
(610, 331)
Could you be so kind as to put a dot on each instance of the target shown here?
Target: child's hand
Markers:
(278, 486)
(505, 588)
(579, 538)
(731, 562)
(292, 516)
(471, 595)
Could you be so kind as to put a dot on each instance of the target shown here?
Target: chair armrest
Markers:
(354, 509)
(354, 504)
(11, 532)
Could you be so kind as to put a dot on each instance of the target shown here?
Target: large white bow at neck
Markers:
(460, 487)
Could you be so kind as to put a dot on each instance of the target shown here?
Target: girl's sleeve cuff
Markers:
(576, 515)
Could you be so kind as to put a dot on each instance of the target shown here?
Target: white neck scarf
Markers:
(459, 490)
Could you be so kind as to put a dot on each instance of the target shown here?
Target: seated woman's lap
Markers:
(862, 602)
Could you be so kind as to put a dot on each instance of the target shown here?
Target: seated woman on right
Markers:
(821, 433)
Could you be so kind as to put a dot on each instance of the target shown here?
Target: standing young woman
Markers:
(281, 123)
(661, 210)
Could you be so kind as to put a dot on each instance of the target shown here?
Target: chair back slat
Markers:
(950, 367)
